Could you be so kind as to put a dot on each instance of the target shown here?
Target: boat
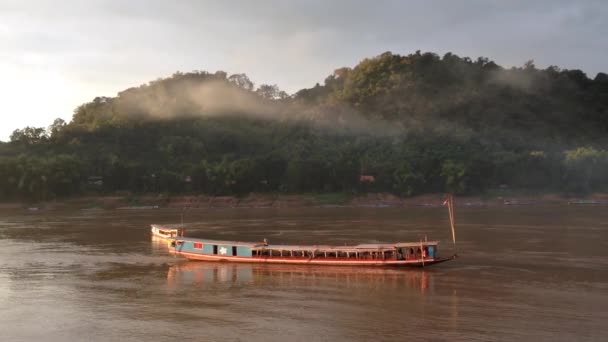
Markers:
(419, 253)
(587, 202)
(164, 232)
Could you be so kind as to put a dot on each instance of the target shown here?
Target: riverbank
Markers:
(274, 200)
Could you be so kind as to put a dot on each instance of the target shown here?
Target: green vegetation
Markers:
(333, 198)
(418, 123)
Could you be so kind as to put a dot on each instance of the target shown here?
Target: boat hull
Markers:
(312, 261)
(160, 236)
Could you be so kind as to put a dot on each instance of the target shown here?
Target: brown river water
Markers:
(523, 274)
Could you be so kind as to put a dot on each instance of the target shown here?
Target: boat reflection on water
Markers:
(201, 273)
(158, 241)
(158, 245)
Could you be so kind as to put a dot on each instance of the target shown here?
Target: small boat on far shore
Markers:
(164, 232)
(587, 202)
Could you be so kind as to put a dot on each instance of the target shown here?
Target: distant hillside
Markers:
(417, 123)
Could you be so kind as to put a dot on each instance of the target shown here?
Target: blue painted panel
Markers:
(207, 248)
(243, 251)
(188, 246)
(224, 250)
(431, 251)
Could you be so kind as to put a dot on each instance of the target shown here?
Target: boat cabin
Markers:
(164, 232)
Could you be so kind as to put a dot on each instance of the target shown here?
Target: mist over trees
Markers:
(418, 123)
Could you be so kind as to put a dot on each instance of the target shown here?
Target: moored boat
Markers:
(164, 232)
(419, 253)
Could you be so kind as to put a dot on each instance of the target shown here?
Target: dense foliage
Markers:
(417, 123)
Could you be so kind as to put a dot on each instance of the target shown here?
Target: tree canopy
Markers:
(416, 123)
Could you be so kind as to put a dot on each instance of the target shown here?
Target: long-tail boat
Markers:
(419, 253)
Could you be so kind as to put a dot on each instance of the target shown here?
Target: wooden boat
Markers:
(419, 253)
(164, 232)
(587, 202)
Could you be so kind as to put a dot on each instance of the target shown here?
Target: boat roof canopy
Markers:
(221, 242)
(353, 248)
(158, 226)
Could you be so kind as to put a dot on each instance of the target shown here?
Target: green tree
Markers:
(29, 135)
(407, 181)
(585, 169)
(454, 174)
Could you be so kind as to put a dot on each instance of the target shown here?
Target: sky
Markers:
(56, 55)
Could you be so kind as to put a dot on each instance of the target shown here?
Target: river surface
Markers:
(523, 274)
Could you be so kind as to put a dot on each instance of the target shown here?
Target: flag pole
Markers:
(450, 202)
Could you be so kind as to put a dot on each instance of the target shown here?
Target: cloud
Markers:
(105, 46)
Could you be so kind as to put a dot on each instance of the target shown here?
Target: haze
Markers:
(57, 55)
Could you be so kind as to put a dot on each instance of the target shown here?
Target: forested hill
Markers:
(411, 124)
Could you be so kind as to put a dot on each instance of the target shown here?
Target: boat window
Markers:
(401, 253)
(214, 249)
(234, 250)
(275, 252)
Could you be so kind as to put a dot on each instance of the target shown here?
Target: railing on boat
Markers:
(349, 254)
